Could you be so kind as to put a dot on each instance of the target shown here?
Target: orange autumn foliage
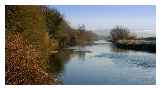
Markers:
(25, 68)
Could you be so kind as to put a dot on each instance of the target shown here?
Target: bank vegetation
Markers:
(32, 32)
(123, 38)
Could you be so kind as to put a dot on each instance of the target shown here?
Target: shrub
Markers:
(120, 33)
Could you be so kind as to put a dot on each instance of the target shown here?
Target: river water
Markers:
(102, 63)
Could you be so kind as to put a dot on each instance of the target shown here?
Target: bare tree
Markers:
(119, 33)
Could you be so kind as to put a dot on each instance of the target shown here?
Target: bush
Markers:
(120, 33)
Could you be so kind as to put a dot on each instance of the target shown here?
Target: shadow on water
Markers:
(56, 64)
(115, 49)
(56, 61)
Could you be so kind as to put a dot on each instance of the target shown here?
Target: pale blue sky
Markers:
(135, 17)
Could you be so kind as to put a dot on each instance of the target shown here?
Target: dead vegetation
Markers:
(22, 62)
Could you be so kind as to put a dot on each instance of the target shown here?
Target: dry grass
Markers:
(22, 63)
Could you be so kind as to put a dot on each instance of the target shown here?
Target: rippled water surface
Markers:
(104, 64)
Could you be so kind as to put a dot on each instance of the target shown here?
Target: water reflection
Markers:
(56, 64)
(56, 61)
(103, 64)
(81, 51)
(115, 49)
(81, 55)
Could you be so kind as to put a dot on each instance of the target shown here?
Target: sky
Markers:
(105, 17)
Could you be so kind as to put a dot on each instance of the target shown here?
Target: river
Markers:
(102, 63)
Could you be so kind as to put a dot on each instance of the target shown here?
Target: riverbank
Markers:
(143, 44)
(31, 40)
